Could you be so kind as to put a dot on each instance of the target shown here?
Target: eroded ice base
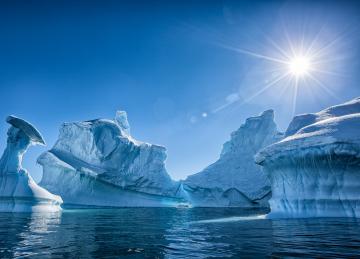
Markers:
(11, 204)
(326, 186)
(19, 193)
(79, 189)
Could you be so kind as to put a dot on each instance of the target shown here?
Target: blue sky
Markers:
(187, 73)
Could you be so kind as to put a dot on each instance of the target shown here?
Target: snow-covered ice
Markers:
(234, 179)
(18, 191)
(315, 170)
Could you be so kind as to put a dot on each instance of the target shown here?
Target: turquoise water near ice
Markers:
(174, 233)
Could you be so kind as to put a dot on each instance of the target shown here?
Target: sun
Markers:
(295, 64)
(299, 66)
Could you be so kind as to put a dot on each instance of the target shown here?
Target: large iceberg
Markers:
(234, 179)
(98, 163)
(18, 191)
(315, 170)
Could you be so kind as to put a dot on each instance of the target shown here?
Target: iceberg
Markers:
(98, 163)
(234, 179)
(18, 190)
(315, 170)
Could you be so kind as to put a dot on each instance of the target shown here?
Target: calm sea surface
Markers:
(174, 233)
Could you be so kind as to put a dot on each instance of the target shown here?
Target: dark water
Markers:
(174, 233)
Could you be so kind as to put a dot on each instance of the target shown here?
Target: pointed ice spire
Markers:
(122, 122)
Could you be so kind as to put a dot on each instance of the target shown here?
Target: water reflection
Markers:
(20, 233)
(191, 234)
(173, 233)
(319, 237)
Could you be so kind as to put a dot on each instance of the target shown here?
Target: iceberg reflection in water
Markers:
(174, 233)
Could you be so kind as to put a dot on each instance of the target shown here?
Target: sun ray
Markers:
(295, 96)
(285, 87)
(302, 41)
(221, 107)
(327, 90)
(254, 54)
(329, 60)
(266, 87)
(293, 52)
(278, 48)
(321, 50)
(315, 40)
(327, 72)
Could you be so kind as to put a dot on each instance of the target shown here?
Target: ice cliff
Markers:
(98, 163)
(234, 179)
(18, 191)
(315, 170)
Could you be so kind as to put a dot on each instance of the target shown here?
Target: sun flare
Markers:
(295, 63)
(299, 66)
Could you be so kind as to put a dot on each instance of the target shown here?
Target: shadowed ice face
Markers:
(18, 138)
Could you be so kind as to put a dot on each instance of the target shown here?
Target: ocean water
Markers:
(174, 233)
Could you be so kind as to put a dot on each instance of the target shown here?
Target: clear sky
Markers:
(187, 73)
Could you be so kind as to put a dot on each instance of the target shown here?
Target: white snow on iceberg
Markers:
(315, 170)
(18, 191)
